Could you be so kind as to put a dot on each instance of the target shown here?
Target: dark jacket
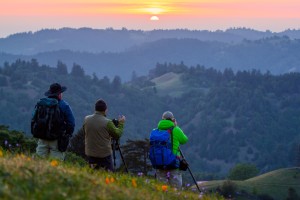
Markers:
(68, 116)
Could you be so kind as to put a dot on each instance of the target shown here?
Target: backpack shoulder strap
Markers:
(170, 131)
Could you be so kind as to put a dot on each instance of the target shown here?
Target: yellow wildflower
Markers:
(133, 181)
(1, 153)
(54, 163)
(112, 179)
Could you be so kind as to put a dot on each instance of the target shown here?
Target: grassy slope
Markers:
(274, 184)
(22, 177)
(170, 84)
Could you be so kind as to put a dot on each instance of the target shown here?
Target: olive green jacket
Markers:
(178, 136)
(99, 131)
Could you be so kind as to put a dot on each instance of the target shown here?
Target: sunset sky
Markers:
(33, 15)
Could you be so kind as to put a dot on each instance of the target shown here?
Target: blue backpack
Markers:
(160, 153)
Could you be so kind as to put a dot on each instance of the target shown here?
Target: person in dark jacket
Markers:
(99, 132)
(49, 147)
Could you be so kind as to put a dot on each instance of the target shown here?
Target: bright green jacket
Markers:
(178, 136)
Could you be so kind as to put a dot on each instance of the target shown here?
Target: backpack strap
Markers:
(170, 130)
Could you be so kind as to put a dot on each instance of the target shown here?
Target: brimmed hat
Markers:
(55, 89)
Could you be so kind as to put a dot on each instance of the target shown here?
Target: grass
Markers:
(170, 84)
(274, 184)
(24, 177)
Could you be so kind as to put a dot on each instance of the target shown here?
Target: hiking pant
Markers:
(47, 148)
(97, 163)
(172, 177)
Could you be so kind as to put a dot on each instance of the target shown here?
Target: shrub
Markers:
(228, 189)
(243, 171)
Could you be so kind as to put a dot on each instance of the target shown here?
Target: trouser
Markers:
(47, 148)
(172, 177)
(104, 163)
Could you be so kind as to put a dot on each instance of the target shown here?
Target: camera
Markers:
(116, 122)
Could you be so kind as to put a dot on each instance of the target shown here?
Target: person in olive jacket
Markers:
(172, 176)
(99, 132)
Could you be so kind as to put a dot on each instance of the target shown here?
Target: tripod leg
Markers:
(123, 158)
(190, 172)
(114, 155)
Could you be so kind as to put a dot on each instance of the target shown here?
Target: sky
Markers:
(33, 15)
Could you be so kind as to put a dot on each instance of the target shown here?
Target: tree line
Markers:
(230, 117)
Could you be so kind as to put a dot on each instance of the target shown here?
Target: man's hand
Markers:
(121, 119)
(175, 122)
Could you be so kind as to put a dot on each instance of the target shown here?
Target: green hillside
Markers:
(170, 84)
(275, 184)
(25, 177)
(230, 118)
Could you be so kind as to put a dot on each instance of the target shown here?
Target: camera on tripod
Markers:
(115, 143)
(116, 122)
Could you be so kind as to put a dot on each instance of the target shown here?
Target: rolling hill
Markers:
(275, 184)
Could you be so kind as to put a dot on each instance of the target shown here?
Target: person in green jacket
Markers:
(99, 132)
(174, 176)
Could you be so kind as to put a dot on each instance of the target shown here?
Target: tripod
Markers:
(190, 171)
(116, 146)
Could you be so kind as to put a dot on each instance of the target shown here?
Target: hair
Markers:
(168, 115)
(100, 105)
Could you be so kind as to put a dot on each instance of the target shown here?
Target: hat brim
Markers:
(48, 93)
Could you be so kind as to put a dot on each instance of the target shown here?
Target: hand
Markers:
(121, 118)
(175, 122)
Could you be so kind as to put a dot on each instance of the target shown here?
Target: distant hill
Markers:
(278, 55)
(110, 40)
(275, 184)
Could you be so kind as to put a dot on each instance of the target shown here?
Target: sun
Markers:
(154, 18)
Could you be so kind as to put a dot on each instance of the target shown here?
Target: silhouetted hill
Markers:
(275, 54)
(110, 40)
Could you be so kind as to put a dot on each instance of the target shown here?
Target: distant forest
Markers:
(230, 117)
(121, 52)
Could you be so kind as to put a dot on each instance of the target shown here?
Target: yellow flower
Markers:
(133, 181)
(54, 163)
(1, 153)
(164, 188)
(112, 179)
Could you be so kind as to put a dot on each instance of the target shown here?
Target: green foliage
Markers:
(15, 141)
(272, 185)
(228, 189)
(292, 194)
(243, 171)
(229, 117)
(22, 177)
(72, 159)
(136, 153)
(77, 144)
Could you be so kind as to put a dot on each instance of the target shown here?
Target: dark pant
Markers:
(105, 163)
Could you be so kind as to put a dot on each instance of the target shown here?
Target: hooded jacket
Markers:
(178, 136)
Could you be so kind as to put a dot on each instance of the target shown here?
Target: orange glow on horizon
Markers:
(194, 14)
(214, 8)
